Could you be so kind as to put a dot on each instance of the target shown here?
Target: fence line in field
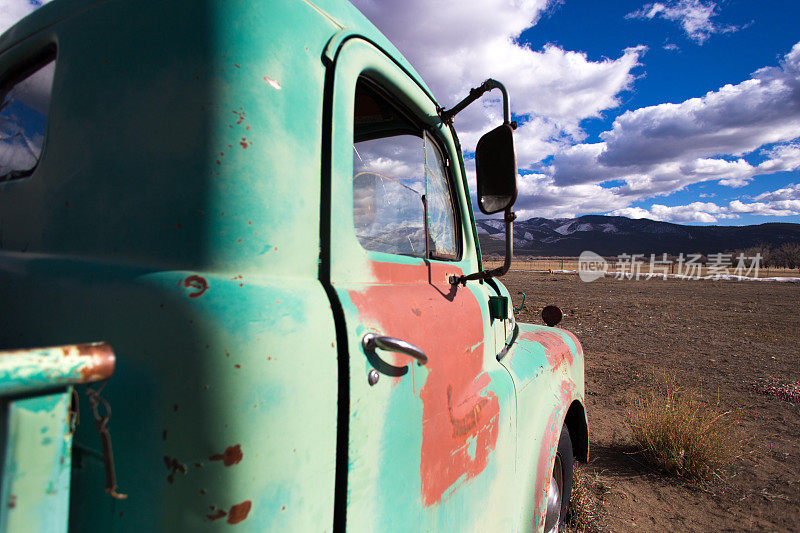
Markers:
(547, 264)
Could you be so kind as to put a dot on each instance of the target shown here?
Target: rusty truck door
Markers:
(429, 411)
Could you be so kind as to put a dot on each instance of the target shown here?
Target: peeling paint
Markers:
(231, 456)
(239, 512)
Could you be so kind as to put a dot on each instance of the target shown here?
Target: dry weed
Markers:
(585, 514)
(681, 430)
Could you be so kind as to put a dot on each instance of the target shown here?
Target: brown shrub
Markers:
(682, 431)
(586, 513)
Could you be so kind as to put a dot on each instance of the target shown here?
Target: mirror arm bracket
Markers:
(448, 114)
(509, 218)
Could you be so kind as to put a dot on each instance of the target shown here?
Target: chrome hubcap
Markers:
(553, 516)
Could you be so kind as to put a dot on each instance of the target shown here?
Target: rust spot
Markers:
(247, 127)
(243, 143)
(239, 240)
(464, 425)
(237, 66)
(239, 512)
(249, 222)
(175, 407)
(98, 360)
(178, 226)
(227, 354)
(232, 455)
(198, 465)
(218, 162)
(203, 492)
(12, 501)
(216, 516)
(240, 115)
(283, 507)
(196, 282)
(238, 366)
(173, 466)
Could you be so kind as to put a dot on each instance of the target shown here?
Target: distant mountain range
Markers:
(611, 236)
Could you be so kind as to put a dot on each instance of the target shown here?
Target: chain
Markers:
(101, 422)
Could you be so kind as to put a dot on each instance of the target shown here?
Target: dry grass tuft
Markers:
(586, 514)
(682, 431)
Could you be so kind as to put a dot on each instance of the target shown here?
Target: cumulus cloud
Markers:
(694, 16)
(660, 149)
(780, 203)
(551, 89)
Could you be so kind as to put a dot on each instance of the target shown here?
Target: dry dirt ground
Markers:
(732, 337)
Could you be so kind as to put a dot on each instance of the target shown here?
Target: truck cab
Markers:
(263, 211)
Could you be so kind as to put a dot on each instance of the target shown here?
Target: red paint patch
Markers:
(552, 432)
(556, 350)
(457, 410)
(232, 455)
(239, 512)
(198, 283)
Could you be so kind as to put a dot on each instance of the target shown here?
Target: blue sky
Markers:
(677, 67)
(686, 111)
(680, 110)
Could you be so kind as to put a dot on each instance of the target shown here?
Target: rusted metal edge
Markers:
(37, 369)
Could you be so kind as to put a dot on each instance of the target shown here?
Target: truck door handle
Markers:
(370, 342)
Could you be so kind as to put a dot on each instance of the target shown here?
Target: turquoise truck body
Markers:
(193, 208)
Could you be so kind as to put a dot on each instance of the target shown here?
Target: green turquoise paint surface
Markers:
(176, 215)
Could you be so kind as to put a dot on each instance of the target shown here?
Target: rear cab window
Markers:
(24, 105)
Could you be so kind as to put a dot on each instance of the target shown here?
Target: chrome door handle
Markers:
(370, 342)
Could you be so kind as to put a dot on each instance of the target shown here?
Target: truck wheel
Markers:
(560, 485)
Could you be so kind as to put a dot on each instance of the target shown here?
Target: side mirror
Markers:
(496, 166)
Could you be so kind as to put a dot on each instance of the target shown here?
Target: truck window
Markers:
(399, 176)
(25, 101)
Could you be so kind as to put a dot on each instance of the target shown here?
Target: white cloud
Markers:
(13, 10)
(790, 192)
(781, 203)
(660, 149)
(551, 89)
(694, 17)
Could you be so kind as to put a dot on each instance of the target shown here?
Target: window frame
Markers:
(425, 132)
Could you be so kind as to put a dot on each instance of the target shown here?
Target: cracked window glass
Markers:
(399, 176)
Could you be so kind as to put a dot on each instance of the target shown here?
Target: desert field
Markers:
(534, 264)
(739, 341)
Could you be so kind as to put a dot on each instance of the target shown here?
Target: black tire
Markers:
(556, 517)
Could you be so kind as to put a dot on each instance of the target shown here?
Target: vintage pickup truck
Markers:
(251, 222)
